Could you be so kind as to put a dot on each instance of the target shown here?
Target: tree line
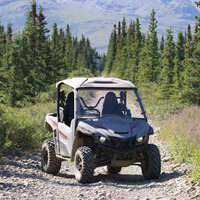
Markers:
(31, 59)
(174, 66)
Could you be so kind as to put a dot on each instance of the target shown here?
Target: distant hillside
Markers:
(95, 18)
(184, 8)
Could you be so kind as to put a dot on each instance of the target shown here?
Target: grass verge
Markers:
(23, 128)
(182, 133)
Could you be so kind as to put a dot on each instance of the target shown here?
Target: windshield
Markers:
(101, 103)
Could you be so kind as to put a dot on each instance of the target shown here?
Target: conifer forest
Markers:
(32, 59)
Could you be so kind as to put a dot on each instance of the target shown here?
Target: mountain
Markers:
(95, 18)
(136, 7)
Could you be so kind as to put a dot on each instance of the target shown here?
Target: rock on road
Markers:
(21, 178)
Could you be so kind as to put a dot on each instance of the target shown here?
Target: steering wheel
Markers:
(89, 108)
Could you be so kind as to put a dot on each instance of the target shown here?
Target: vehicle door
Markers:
(65, 125)
(64, 139)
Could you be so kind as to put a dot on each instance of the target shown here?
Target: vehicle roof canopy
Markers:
(78, 83)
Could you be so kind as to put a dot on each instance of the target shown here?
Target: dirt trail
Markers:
(22, 178)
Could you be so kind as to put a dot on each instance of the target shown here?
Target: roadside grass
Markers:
(182, 133)
(23, 128)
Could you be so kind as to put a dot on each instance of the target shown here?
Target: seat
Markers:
(69, 109)
(111, 105)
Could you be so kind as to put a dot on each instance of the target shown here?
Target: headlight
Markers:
(140, 139)
(102, 139)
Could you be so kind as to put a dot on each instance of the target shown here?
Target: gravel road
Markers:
(22, 178)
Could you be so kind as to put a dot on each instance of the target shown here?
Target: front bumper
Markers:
(121, 151)
(111, 156)
(123, 146)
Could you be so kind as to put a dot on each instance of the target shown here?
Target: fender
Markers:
(79, 140)
(51, 122)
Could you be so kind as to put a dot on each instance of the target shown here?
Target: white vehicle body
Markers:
(104, 114)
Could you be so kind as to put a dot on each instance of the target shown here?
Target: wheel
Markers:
(49, 162)
(113, 170)
(151, 165)
(84, 164)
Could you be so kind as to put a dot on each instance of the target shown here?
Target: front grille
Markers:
(123, 144)
(120, 157)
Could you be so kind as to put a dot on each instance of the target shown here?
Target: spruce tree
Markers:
(14, 74)
(136, 49)
(118, 31)
(162, 44)
(68, 48)
(26, 64)
(149, 66)
(167, 72)
(5, 62)
(2, 51)
(130, 39)
(39, 51)
(197, 25)
(44, 49)
(56, 56)
(189, 34)
(144, 76)
(112, 48)
(180, 47)
(129, 48)
(153, 49)
(191, 73)
(178, 67)
(62, 40)
(74, 52)
(121, 55)
(9, 32)
(31, 30)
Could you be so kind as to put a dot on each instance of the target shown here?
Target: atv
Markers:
(99, 122)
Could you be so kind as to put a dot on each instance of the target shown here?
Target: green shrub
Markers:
(23, 128)
(158, 109)
(48, 96)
